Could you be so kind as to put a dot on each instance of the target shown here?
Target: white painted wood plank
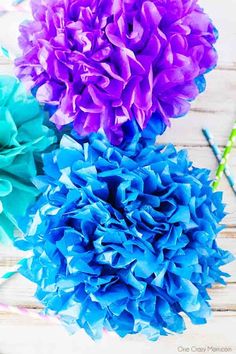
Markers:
(222, 14)
(6, 69)
(223, 297)
(216, 109)
(219, 96)
(27, 336)
(189, 128)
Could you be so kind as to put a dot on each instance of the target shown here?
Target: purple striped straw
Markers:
(22, 311)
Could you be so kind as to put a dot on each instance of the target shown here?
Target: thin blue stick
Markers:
(17, 2)
(10, 273)
(218, 155)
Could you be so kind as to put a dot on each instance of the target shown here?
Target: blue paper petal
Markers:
(124, 239)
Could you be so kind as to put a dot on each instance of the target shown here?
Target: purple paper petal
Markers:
(125, 58)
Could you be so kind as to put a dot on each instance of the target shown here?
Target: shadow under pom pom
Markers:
(124, 241)
(23, 137)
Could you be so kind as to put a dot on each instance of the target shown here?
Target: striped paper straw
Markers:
(22, 311)
(10, 273)
(209, 137)
(225, 157)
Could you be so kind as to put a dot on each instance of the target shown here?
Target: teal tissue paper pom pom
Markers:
(23, 138)
(123, 239)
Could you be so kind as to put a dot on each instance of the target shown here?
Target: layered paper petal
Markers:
(23, 138)
(101, 63)
(123, 239)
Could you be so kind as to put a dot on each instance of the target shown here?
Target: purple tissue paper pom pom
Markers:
(102, 63)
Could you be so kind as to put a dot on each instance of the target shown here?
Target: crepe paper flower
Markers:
(101, 63)
(123, 241)
(23, 138)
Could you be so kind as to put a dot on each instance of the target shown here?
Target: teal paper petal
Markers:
(23, 138)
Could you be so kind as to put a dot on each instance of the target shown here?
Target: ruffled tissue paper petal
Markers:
(22, 139)
(101, 63)
(123, 240)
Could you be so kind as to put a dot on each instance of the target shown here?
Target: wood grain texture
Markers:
(35, 337)
(216, 110)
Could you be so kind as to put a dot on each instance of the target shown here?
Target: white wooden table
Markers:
(215, 109)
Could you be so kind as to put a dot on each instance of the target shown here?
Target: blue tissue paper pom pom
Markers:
(123, 240)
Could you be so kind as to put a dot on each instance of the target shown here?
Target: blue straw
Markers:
(9, 274)
(17, 2)
(218, 155)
